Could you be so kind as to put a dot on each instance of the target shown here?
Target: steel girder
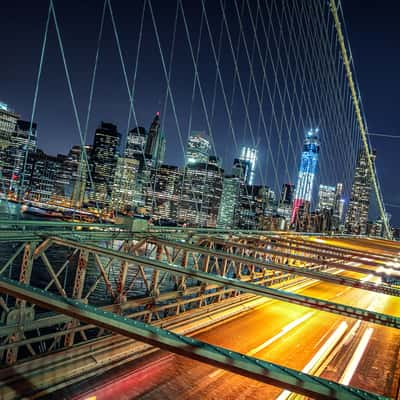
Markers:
(306, 243)
(150, 306)
(306, 301)
(254, 368)
(301, 271)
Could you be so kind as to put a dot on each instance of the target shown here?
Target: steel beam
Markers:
(306, 301)
(251, 367)
(299, 241)
(301, 271)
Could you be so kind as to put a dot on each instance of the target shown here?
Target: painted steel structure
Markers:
(232, 361)
(175, 270)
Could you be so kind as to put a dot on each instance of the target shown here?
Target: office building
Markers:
(104, 160)
(136, 143)
(307, 171)
(45, 180)
(155, 143)
(241, 169)
(326, 198)
(200, 195)
(198, 148)
(249, 154)
(124, 185)
(163, 191)
(285, 204)
(229, 208)
(17, 138)
(357, 213)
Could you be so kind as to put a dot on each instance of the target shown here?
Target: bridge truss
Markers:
(140, 279)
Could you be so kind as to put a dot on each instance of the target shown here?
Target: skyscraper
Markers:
(17, 138)
(22, 141)
(241, 169)
(200, 196)
(155, 143)
(104, 159)
(45, 178)
(229, 208)
(123, 188)
(326, 198)
(249, 154)
(162, 193)
(136, 143)
(287, 194)
(285, 203)
(357, 213)
(308, 169)
(198, 148)
(75, 168)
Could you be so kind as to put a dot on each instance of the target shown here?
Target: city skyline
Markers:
(174, 175)
(112, 112)
(112, 109)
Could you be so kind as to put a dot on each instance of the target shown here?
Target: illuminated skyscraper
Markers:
(229, 207)
(198, 148)
(135, 143)
(104, 160)
(326, 198)
(357, 214)
(308, 169)
(200, 195)
(123, 189)
(249, 154)
(162, 193)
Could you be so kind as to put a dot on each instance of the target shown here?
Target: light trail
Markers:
(356, 358)
(320, 355)
(284, 330)
(271, 340)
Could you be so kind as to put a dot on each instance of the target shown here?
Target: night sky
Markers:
(373, 31)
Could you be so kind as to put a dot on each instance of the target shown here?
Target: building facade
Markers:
(249, 154)
(229, 208)
(45, 180)
(162, 194)
(198, 148)
(357, 213)
(103, 161)
(124, 185)
(17, 139)
(136, 143)
(200, 195)
(155, 143)
(326, 198)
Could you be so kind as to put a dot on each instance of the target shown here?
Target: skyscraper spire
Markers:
(155, 145)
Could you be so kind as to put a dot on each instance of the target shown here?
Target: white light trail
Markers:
(321, 354)
(284, 330)
(356, 358)
(262, 346)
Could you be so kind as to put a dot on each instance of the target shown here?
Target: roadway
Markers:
(287, 334)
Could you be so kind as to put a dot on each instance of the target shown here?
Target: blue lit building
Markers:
(308, 169)
(249, 155)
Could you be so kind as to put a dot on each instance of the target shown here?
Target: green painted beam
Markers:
(294, 298)
(232, 361)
